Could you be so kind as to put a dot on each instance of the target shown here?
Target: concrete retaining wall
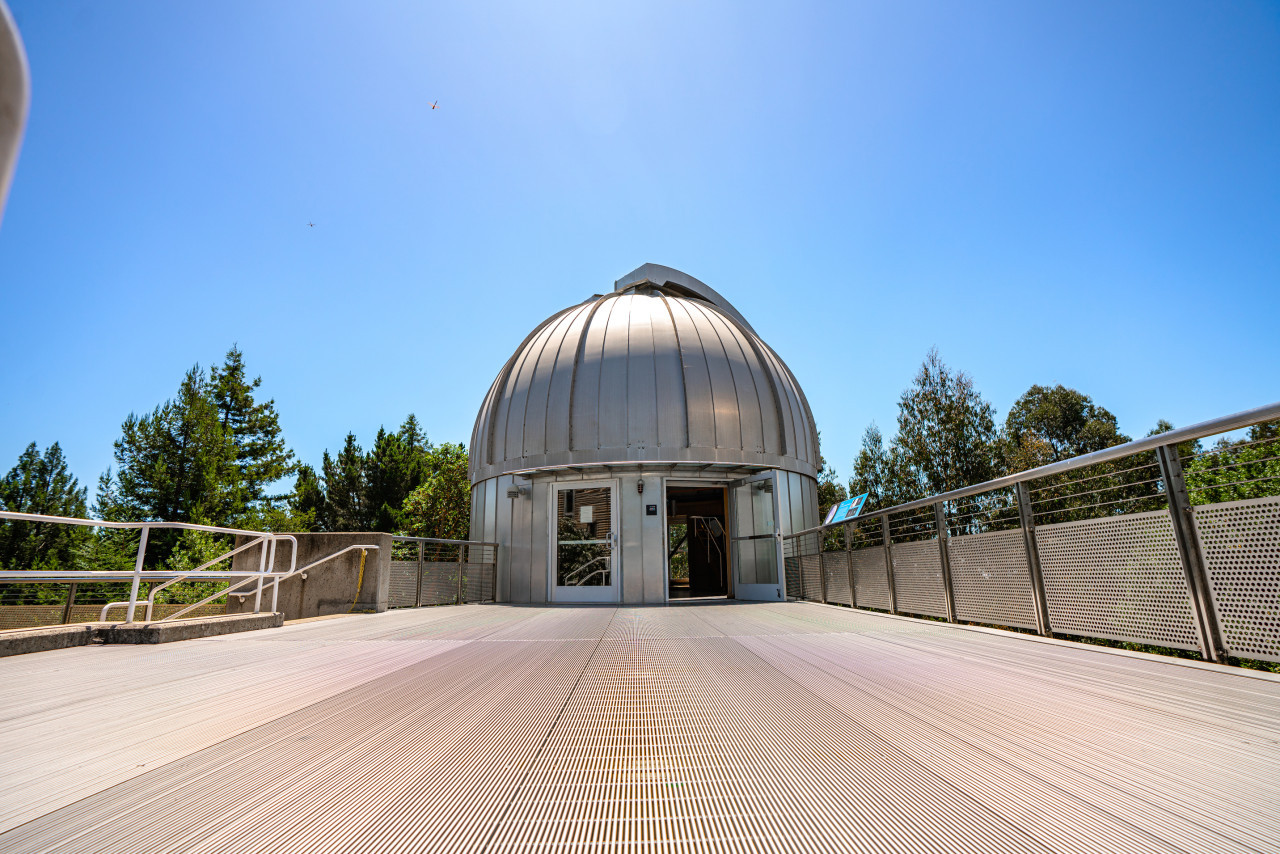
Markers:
(331, 587)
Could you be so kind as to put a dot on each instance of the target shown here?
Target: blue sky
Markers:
(1077, 193)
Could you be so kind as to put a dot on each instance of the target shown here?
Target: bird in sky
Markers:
(312, 224)
(434, 104)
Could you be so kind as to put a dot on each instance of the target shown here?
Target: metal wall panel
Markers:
(1240, 541)
(917, 573)
(991, 580)
(502, 536)
(539, 540)
(1118, 578)
(749, 400)
(584, 412)
(643, 402)
(788, 406)
(697, 378)
(509, 432)
(870, 581)
(534, 422)
(724, 395)
(615, 363)
(836, 567)
(673, 429)
(631, 558)
(654, 542)
(559, 390)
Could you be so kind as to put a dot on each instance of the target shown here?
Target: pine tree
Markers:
(175, 465)
(253, 429)
(346, 488)
(41, 484)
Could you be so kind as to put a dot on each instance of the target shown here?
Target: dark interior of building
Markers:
(697, 545)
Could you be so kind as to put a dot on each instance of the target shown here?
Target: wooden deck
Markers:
(726, 727)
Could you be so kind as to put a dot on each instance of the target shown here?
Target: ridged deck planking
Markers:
(735, 727)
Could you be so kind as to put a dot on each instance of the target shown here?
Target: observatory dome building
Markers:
(642, 446)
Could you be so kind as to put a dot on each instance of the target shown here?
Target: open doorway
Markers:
(697, 545)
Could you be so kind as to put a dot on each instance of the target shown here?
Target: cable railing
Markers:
(1157, 542)
(435, 571)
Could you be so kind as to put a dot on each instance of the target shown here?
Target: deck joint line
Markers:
(533, 761)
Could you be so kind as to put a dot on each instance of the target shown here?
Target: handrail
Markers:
(103, 523)
(399, 538)
(1212, 427)
(277, 577)
(151, 594)
(266, 540)
(578, 570)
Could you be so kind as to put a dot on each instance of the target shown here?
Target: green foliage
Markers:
(261, 457)
(41, 484)
(1236, 470)
(946, 431)
(1047, 425)
(441, 505)
(946, 440)
(404, 484)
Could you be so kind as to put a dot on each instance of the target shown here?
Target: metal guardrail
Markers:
(443, 572)
(1108, 545)
(265, 540)
(263, 577)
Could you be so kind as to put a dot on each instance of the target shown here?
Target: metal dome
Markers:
(663, 369)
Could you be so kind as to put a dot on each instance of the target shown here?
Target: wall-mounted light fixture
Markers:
(640, 485)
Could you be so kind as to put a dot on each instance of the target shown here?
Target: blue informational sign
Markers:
(846, 510)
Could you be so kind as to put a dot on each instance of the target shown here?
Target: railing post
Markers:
(848, 563)
(71, 600)
(822, 568)
(275, 582)
(1184, 531)
(417, 601)
(137, 574)
(888, 563)
(462, 550)
(262, 567)
(1028, 521)
(940, 524)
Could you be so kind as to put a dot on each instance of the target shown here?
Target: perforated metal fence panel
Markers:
(404, 584)
(836, 568)
(870, 582)
(478, 582)
(791, 566)
(991, 580)
(917, 576)
(1241, 545)
(439, 583)
(811, 577)
(1118, 578)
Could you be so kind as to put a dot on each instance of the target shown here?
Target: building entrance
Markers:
(697, 545)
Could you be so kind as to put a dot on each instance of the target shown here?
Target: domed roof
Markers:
(661, 370)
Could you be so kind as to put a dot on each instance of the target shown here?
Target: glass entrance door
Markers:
(755, 546)
(584, 543)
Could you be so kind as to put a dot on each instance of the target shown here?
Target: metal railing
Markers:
(442, 572)
(1154, 541)
(263, 577)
